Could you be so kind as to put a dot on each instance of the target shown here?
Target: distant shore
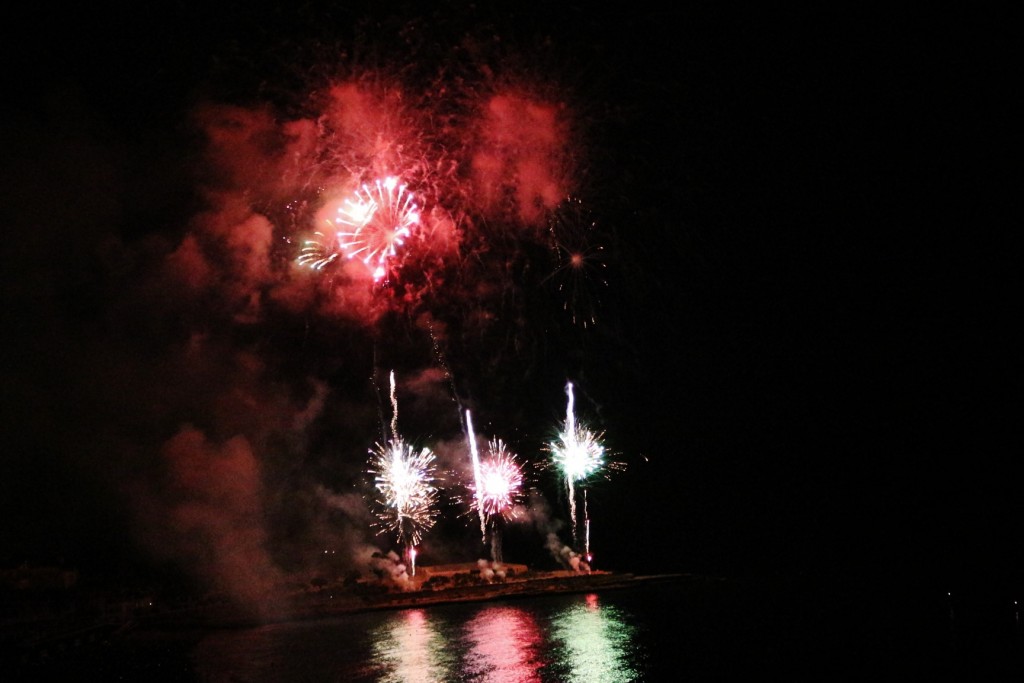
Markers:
(351, 599)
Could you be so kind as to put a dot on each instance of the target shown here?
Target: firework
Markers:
(406, 492)
(370, 226)
(579, 274)
(578, 453)
(499, 489)
(501, 481)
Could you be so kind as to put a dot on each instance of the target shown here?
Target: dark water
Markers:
(708, 630)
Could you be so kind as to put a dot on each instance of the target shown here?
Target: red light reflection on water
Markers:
(505, 644)
(413, 650)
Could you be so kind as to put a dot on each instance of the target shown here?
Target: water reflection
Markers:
(594, 642)
(412, 649)
(561, 638)
(505, 644)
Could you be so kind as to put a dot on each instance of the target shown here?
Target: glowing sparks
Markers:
(498, 492)
(586, 542)
(394, 407)
(579, 274)
(406, 493)
(578, 453)
(475, 455)
(501, 481)
(371, 225)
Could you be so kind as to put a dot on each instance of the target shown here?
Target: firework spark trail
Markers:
(394, 408)
(578, 453)
(572, 505)
(570, 414)
(439, 355)
(370, 225)
(476, 475)
(586, 528)
(586, 545)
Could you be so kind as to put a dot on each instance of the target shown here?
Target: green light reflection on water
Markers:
(594, 642)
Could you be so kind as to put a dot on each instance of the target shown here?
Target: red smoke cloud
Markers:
(521, 149)
(505, 158)
(208, 516)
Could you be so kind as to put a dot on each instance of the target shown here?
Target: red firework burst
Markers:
(371, 225)
(501, 481)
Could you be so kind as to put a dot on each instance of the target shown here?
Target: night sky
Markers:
(801, 349)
